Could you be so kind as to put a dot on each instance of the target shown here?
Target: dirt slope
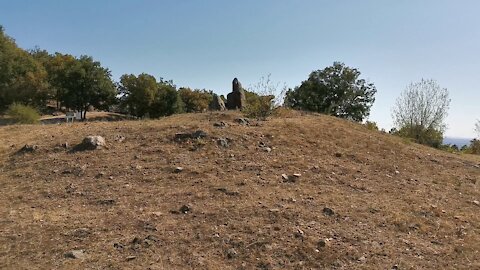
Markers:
(364, 200)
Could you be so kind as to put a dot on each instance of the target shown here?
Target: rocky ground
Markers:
(210, 191)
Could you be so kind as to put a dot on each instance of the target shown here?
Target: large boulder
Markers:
(217, 104)
(236, 99)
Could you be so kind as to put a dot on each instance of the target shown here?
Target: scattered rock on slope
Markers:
(92, 143)
(182, 136)
(28, 148)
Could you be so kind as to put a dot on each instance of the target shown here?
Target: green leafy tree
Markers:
(143, 96)
(56, 66)
(167, 100)
(22, 78)
(336, 90)
(86, 83)
(420, 112)
(138, 94)
(195, 100)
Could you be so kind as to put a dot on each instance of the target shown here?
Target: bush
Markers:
(258, 106)
(23, 114)
(418, 134)
(473, 148)
(371, 125)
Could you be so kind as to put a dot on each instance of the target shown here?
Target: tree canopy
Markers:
(22, 78)
(336, 90)
(143, 96)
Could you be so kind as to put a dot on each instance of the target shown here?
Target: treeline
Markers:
(37, 78)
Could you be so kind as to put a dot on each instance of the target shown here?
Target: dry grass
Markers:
(123, 201)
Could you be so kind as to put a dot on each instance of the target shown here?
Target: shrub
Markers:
(473, 148)
(23, 114)
(418, 134)
(371, 125)
(258, 106)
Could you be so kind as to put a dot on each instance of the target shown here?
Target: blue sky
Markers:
(206, 43)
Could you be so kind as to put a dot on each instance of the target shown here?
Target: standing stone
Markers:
(217, 104)
(236, 99)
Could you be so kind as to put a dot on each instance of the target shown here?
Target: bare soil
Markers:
(362, 199)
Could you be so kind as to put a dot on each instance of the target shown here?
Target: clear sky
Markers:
(206, 43)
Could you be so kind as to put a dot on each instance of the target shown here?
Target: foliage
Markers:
(23, 114)
(195, 100)
(473, 148)
(22, 78)
(167, 101)
(422, 135)
(143, 96)
(262, 98)
(420, 112)
(137, 94)
(258, 106)
(335, 90)
(86, 83)
(371, 125)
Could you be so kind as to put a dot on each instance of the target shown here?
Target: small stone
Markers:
(267, 149)
(75, 254)
(222, 142)
(119, 138)
(81, 232)
(129, 258)
(323, 243)
(328, 211)
(199, 134)
(65, 145)
(338, 154)
(397, 172)
(297, 175)
(220, 124)
(185, 209)
(476, 202)
(285, 177)
(27, 148)
(362, 259)
(243, 121)
(231, 253)
(299, 233)
(178, 170)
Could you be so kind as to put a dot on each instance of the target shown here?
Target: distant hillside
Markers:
(293, 192)
(456, 141)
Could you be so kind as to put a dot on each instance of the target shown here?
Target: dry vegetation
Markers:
(396, 205)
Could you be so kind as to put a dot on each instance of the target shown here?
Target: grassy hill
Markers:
(362, 199)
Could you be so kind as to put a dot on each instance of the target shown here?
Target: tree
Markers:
(167, 100)
(335, 90)
(86, 83)
(143, 96)
(195, 100)
(22, 78)
(420, 111)
(137, 94)
(56, 66)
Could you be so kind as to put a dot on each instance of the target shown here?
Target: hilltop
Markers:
(302, 191)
